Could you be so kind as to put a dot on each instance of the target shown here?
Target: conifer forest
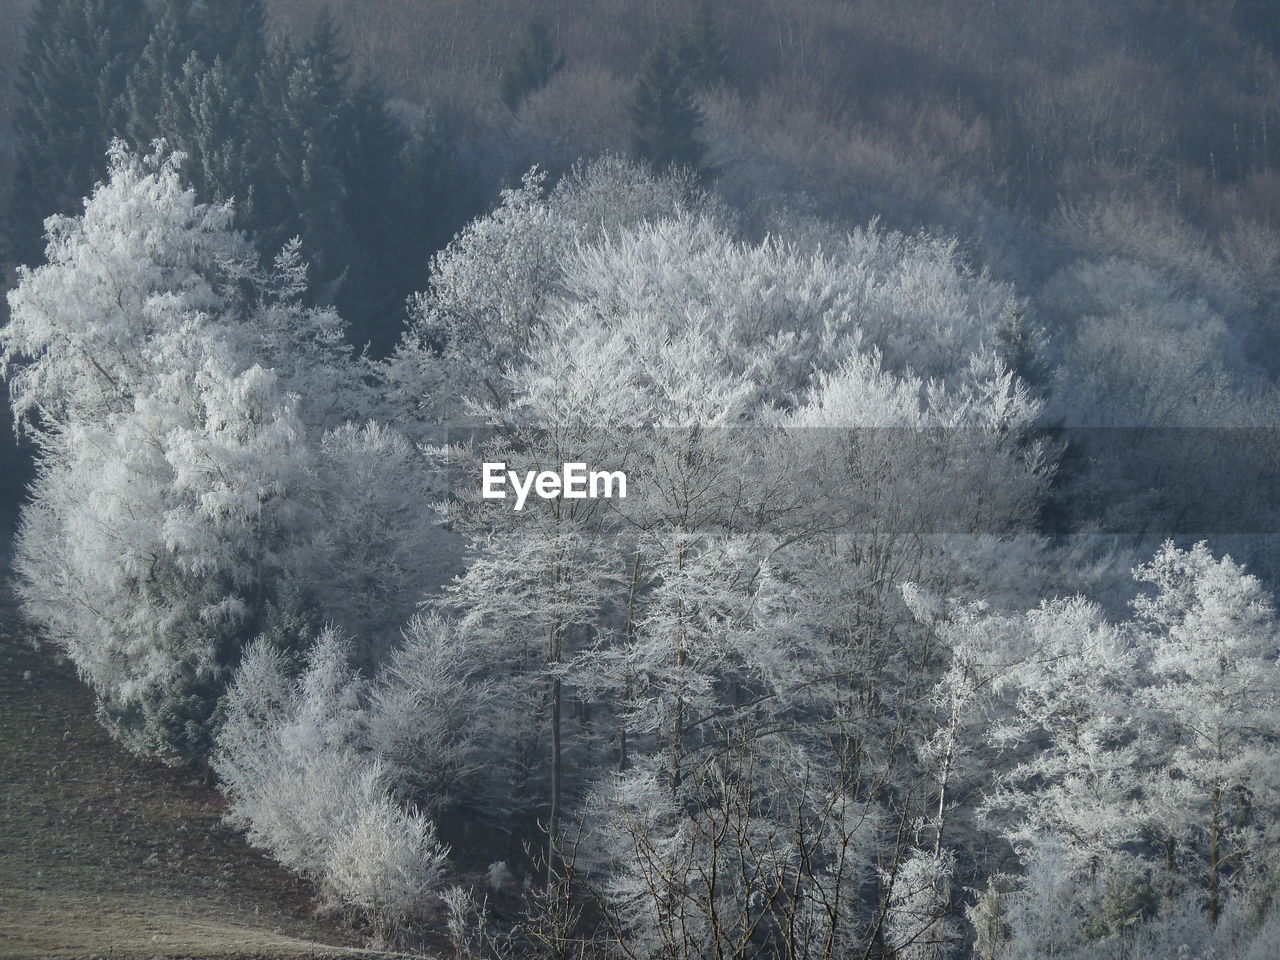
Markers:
(643, 479)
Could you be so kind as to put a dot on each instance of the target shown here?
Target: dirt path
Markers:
(105, 855)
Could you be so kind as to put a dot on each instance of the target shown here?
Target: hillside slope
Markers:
(102, 854)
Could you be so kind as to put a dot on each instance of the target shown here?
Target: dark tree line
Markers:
(302, 145)
(666, 122)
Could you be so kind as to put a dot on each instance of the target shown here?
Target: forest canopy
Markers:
(935, 341)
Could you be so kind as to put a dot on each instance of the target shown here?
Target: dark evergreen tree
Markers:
(188, 39)
(534, 64)
(702, 53)
(301, 149)
(151, 82)
(323, 50)
(196, 87)
(233, 31)
(72, 79)
(665, 120)
(441, 190)
(205, 120)
(372, 151)
(305, 179)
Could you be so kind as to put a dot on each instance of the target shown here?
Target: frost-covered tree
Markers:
(142, 552)
(369, 543)
(165, 451)
(435, 712)
(143, 254)
(764, 850)
(491, 288)
(1141, 799)
(916, 921)
(1213, 643)
(1080, 735)
(184, 403)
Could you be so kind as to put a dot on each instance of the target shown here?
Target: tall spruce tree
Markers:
(534, 64)
(309, 190)
(372, 153)
(153, 77)
(701, 51)
(208, 125)
(665, 120)
(71, 78)
(234, 31)
(323, 50)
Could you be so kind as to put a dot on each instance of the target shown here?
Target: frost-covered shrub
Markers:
(919, 891)
(386, 863)
(293, 759)
(290, 751)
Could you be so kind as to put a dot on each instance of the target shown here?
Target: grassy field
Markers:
(105, 855)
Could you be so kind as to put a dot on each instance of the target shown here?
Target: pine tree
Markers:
(372, 154)
(153, 77)
(188, 40)
(72, 77)
(532, 68)
(231, 30)
(308, 186)
(323, 51)
(702, 53)
(665, 120)
(215, 143)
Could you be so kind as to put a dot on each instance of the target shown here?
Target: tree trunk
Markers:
(1215, 829)
(554, 819)
(677, 723)
(553, 658)
(626, 642)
